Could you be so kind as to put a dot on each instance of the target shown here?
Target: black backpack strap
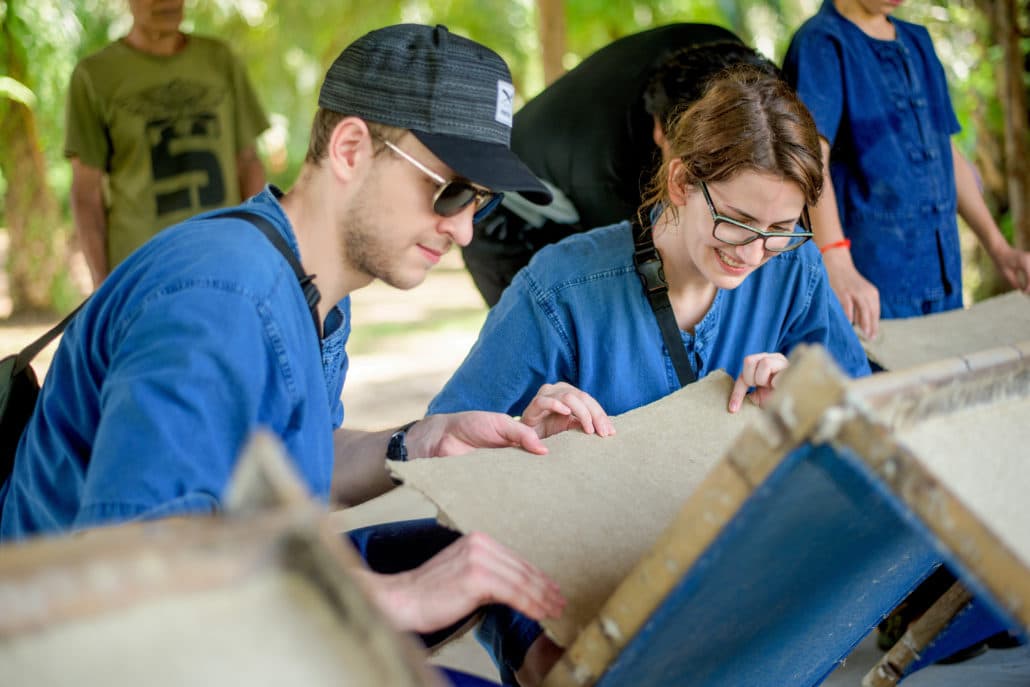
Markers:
(33, 349)
(652, 276)
(306, 281)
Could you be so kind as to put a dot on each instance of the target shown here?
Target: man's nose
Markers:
(459, 226)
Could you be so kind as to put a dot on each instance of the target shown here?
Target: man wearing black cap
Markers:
(208, 332)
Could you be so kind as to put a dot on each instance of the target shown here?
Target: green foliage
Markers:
(288, 45)
(44, 34)
(17, 91)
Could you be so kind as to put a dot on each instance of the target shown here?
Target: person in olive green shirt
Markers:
(161, 125)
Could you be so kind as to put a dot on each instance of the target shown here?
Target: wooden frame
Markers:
(834, 441)
(262, 596)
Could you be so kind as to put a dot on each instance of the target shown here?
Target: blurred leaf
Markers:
(17, 91)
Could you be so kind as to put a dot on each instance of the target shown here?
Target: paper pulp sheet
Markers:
(590, 508)
(998, 321)
(979, 453)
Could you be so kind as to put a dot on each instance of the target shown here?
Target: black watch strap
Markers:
(396, 450)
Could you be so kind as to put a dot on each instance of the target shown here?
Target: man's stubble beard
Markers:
(365, 248)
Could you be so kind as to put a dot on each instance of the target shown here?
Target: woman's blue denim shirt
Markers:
(577, 313)
(199, 338)
(883, 106)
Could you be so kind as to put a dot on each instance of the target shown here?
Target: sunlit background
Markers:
(287, 46)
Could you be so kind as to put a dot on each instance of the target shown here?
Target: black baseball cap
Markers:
(452, 93)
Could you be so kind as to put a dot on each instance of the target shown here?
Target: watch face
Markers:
(396, 450)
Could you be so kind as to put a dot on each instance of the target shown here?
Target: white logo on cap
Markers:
(505, 102)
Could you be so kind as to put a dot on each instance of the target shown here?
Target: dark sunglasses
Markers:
(455, 195)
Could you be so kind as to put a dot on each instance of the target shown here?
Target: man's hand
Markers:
(861, 300)
(472, 572)
(559, 407)
(759, 371)
(453, 434)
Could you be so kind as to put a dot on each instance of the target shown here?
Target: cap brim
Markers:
(491, 165)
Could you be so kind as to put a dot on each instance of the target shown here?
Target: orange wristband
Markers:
(843, 243)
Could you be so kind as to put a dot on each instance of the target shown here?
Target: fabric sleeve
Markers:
(186, 387)
(815, 68)
(520, 347)
(821, 320)
(86, 134)
(250, 116)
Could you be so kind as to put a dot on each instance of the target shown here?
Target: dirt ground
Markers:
(406, 345)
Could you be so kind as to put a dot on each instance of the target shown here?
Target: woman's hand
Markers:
(1014, 264)
(759, 371)
(561, 406)
(859, 298)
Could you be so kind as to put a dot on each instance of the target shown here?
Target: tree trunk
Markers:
(990, 160)
(37, 255)
(551, 29)
(1012, 93)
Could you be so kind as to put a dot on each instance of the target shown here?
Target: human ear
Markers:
(677, 189)
(350, 148)
(660, 140)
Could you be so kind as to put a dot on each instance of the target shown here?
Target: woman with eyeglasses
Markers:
(727, 213)
(575, 336)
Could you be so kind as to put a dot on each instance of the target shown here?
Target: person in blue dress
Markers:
(574, 337)
(887, 223)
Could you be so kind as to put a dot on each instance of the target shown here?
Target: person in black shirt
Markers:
(594, 135)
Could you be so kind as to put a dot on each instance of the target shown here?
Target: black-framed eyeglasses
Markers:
(455, 195)
(736, 233)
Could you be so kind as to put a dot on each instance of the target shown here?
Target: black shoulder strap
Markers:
(652, 276)
(306, 281)
(33, 349)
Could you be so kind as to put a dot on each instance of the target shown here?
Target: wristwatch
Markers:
(396, 450)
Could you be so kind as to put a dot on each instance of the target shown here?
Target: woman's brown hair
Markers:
(746, 120)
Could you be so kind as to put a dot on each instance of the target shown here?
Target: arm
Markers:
(519, 348)
(359, 470)
(250, 171)
(815, 316)
(860, 299)
(359, 466)
(249, 122)
(90, 217)
(1014, 264)
(185, 387)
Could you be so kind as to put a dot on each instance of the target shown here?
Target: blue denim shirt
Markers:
(577, 313)
(199, 338)
(884, 108)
